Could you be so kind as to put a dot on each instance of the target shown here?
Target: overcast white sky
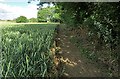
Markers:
(10, 9)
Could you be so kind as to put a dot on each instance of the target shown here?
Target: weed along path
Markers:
(75, 65)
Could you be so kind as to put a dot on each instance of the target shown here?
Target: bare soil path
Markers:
(75, 64)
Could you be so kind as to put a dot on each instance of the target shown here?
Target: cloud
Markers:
(14, 0)
(11, 12)
(2, 0)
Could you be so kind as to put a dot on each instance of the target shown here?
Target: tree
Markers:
(48, 15)
(44, 14)
(74, 15)
(33, 20)
(21, 19)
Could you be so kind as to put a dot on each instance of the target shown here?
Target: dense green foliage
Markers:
(25, 50)
(105, 23)
(33, 20)
(101, 19)
(48, 15)
(21, 19)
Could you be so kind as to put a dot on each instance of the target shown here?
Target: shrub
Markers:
(21, 19)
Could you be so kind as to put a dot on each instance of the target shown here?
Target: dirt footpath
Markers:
(75, 64)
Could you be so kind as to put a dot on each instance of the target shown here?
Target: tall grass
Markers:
(25, 50)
